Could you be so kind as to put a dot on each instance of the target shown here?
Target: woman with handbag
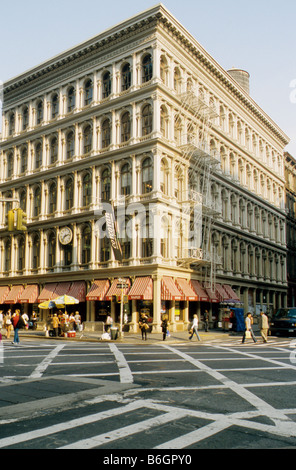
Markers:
(248, 333)
(143, 324)
(8, 324)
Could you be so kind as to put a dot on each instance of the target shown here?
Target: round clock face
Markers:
(65, 235)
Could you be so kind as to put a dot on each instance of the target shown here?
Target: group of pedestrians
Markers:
(13, 321)
(264, 327)
(61, 322)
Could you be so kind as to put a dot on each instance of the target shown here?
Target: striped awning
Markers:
(187, 290)
(98, 290)
(221, 292)
(62, 288)
(78, 290)
(142, 289)
(14, 295)
(169, 290)
(47, 292)
(231, 294)
(30, 295)
(4, 291)
(213, 296)
(114, 290)
(202, 294)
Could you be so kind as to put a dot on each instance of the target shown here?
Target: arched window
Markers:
(147, 120)
(36, 252)
(21, 254)
(25, 118)
(55, 106)
(125, 127)
(164, 177)
(38, 156)
(71, 99)
(147, 239)
(7, 256)
(147, 70)
(125, 180)
(86, 190)
(106, 185)
(37, 202)
(23, 199)
(177, 80)
(10, 161)
(125, 241)
(53, 150)
(24, 160)
(164, 122)
(88, 92)
(52, 198)
(70, 145)
(39, 113)
(107, 85)
(163, 70)
(86, 245)
(147, 176)
(126, 77)
(69, 194)
(51, 250)
(87, 139)
(105, 249)
(11, 124)
(106, 134)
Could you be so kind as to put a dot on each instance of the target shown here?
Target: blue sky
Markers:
(258, 36)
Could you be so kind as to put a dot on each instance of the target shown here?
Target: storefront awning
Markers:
(202, 294)
(14, 295)
(47, 292)
(114, 290)
(62, 288)
(231, 294)
(213, 296)
(169, 290)
(30, 295)
(98, 290)
(221, 292)
(4, 291)
(141, 289)
(78, 290)
(187, 290)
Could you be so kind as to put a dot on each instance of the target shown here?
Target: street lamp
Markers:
(121, 284)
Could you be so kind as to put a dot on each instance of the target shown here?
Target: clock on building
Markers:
(65, 235)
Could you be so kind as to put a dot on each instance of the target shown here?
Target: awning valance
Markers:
(78, 290)
(115, 290)
(232, 296)
(47, 292)
(221, 292)
(141, 289)
(4, 291)
(187, 290)
(213, 296)
(62, 288)
(98, 290)
(169, 290)
(29, 295)
(14, 295)
(202, 294)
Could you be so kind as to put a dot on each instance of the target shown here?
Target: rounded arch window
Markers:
(125, 180)
(146, 120)
(107, 85)
(147, 69)
(125, 127)
(126, 77)
(106, 185)
(147, 176)
(69, 193)
(71, 96)
(87, 190)
(88, 92)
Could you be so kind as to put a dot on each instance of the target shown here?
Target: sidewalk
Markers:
(128, 338)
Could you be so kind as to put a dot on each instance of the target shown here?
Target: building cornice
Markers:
(156, 16)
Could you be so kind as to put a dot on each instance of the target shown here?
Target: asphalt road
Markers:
(170, 395)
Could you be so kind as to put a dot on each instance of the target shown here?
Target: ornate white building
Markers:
(141, 117)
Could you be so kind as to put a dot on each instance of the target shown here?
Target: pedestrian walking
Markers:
(206, 320)
(164, 326)
(18, 323)
(55, 324)
(248, 333)
(143, 324)
(194, 328)
(264, 326)
(77, 321)
(8, 324)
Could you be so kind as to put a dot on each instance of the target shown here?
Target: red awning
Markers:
(231, 294)
(47, 292)
(221, 292)
(30, 295)
(114, 290)
(77, 290)
(169, 290)
(187, 290)
(62, 288)
(14, 295)
(142, 289)
(98, 290)
(213, 296)
(202, 295)
(4, 291)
